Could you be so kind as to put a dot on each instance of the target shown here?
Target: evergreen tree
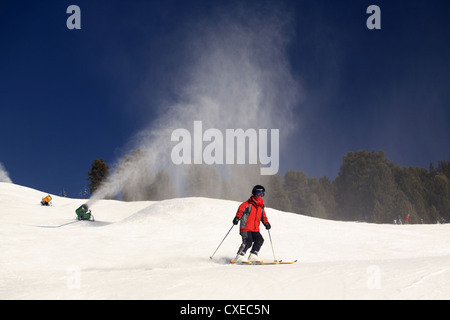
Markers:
(227, 191)
(440, 195)
(276, 197)
(410, 185)
(326, 195)
(136, 176)
(98, 174)
(444, 168)
(242, 179)
(162, 187)
(296, 187)
(203, 181)
(366, 187)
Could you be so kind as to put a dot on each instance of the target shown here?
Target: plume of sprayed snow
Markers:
(236, 75)
(4, 176)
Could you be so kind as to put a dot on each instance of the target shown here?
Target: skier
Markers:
(251, 213)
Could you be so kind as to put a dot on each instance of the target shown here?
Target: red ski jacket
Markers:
(250, 213)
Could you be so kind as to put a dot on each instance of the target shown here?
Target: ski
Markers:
(288, 262)
(255, 263)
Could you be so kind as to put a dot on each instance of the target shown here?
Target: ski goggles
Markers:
(259, 194)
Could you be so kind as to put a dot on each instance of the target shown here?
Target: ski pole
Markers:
(222, 242)
(271, 244)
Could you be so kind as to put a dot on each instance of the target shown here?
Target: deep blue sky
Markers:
(69, 96)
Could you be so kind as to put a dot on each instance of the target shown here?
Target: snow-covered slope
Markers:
(161, 250)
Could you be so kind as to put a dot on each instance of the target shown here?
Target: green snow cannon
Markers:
(83, 213)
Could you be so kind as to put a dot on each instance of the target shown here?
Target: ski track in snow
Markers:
(161, 250)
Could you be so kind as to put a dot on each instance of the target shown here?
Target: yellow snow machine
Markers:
(46, 201)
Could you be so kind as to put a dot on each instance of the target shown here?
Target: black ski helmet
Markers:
(258, 188)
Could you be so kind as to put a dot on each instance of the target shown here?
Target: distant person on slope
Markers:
(251, 213)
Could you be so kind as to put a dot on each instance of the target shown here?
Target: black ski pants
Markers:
(251, 239)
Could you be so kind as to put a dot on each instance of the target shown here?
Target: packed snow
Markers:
(161, 250)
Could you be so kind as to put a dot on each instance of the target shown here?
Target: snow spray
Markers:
(235, 75)
(4, 175)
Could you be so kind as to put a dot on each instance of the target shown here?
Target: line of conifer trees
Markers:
(369, 187)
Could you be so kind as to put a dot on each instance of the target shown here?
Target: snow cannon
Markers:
(83, 213)
(46, 201)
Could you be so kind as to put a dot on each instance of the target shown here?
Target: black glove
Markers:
(235, 220)
(267, 225)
